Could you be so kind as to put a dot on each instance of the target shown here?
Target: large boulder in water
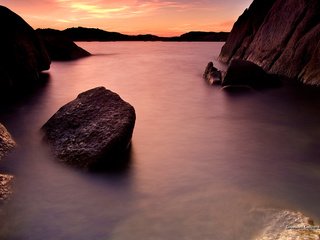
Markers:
(60, 47)
(23, 54)
(245, 73)
(97, 126)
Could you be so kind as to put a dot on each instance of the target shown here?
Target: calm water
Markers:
(204, 163)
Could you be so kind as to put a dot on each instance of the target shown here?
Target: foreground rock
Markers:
(6, 141)
(245, 73)
(97, 126)
(23, 55)
(6, 145)
(287, 225)
(5, 186)
(211, 74)
(281, 36)
(60, 47)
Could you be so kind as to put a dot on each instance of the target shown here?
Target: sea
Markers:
(205, 163)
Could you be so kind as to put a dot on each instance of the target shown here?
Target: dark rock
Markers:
(6, 145)
(285, 42)
(196, 36)
(245, 73)
(245, 29)
(6, 141)
(97, 126)
(23, 54)
(211, 74)
(311, 72)
(95, 34)
(60, 47)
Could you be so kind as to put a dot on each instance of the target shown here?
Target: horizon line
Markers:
(136, 34)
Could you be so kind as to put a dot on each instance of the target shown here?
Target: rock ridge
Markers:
(281, 36)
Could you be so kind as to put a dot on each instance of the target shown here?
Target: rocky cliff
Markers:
(23, 54)
(281, 36)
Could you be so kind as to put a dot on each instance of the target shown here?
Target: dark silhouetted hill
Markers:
(59, 46)
(95, 34)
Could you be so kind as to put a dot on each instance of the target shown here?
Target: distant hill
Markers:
(59, 46)
(95, 34)
(204, 36)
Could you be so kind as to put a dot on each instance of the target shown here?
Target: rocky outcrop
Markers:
(281, 36)
(97, 126)
(244, 30)
(60, 47)
(22, 56)
(245, 73)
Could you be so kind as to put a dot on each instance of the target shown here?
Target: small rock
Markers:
(211, 74)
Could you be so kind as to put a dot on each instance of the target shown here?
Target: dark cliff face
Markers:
(60, 47)
(23, 55)
(245, 29)
(283, 40)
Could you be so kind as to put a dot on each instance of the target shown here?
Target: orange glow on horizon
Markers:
(162, 18)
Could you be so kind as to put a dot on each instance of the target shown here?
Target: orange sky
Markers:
(163, 18)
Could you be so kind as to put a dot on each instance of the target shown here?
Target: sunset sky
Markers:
(164, 18)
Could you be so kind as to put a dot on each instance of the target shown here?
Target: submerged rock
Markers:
(245, 73)
(60, 47)
(23, 54)
(95, 127)
(212, 74)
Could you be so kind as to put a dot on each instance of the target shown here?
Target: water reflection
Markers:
(201, 162)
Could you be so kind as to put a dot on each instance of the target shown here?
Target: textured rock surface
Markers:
(23, 54)
(245, 29)
(5, 186)
(212, 74)
(60, 47)
(284, 39)
(94, 127)
(245, 73)
(289, 225)
(6, 141)
(6, 144)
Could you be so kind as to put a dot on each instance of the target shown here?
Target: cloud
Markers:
(119, 9)
(131, 15)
